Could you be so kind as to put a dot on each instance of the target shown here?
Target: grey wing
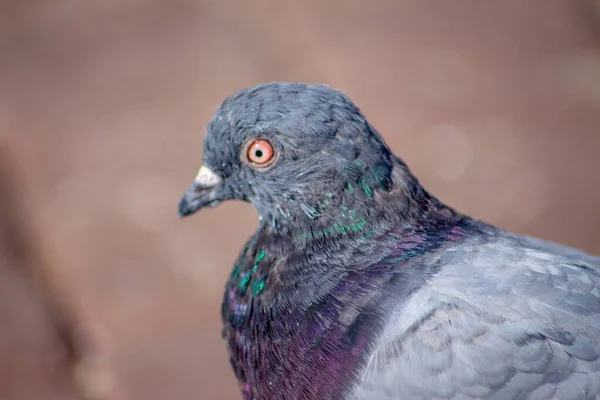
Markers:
(513, 319)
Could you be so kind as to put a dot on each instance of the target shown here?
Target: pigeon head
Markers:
(295, 152)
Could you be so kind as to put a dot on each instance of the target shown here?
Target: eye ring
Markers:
(259, 153)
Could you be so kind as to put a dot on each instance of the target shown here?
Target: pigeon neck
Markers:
(361, 208)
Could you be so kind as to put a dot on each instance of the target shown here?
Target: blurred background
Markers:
(105, 293)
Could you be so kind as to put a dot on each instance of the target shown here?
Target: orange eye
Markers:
(260, 153)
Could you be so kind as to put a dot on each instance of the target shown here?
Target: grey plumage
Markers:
(506, 317)
(360, 285)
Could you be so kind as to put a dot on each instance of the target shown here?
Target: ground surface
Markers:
(495, 106)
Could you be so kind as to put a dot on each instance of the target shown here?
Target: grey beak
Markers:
(201, 193)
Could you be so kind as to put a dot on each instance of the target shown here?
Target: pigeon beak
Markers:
(201, 193)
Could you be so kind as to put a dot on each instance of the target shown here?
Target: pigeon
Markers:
(359, 284)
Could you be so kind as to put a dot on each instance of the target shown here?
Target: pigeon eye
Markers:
(260, 153)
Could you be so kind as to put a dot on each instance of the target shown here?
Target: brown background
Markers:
(495, 105)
